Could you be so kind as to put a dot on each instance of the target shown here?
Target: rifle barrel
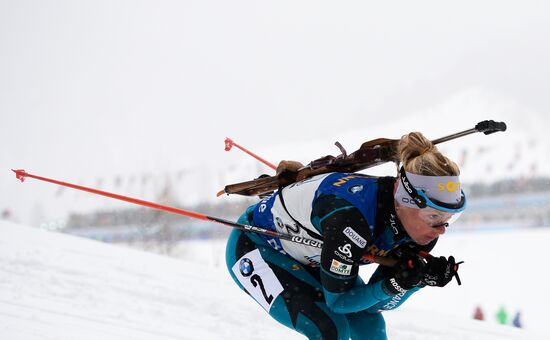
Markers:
(454, 136)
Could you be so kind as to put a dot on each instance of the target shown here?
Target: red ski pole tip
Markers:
(20, 174)
(228, 144)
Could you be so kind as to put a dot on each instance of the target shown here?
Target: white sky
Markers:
(98, 88)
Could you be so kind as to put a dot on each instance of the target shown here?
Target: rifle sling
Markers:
(309, 232)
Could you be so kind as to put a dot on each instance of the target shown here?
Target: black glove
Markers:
(439, 271)
(407, 273)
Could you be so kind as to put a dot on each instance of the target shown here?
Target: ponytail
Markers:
(419, 156)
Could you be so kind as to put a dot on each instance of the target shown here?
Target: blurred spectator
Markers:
(478, 314)
(516, 322)
(502, 316)
(6, 214)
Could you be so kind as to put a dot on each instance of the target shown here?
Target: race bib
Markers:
(257, 278)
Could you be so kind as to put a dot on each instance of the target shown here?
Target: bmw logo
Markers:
(246, 268)
(356, 188)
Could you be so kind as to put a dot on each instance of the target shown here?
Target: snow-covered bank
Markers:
(501, 268)
(55, 286)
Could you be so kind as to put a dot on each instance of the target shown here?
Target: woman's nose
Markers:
(441, 229)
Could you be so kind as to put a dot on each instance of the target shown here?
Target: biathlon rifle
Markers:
(371, 153)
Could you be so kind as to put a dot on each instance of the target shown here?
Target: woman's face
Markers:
(422, 225)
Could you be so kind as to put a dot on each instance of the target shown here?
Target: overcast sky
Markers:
(93, 88)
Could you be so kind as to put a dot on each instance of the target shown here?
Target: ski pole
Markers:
(22, 175)
(229, 143)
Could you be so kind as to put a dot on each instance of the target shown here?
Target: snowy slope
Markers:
(56, 286)
(59, 287)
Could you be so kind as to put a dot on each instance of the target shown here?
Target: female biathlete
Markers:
(318, 292)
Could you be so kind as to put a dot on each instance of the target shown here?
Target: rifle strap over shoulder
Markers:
(309, 232)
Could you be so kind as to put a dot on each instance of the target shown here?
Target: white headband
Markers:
(444, 189)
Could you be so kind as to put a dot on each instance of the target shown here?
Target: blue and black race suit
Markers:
(319, 292)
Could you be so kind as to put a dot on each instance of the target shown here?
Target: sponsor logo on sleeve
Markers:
(394, 302)
(397, 286)
(355, 237)
(340, 268)
(346, 250)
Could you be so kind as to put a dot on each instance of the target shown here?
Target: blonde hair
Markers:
(419, 156)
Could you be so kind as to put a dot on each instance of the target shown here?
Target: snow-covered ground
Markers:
(55, 286)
